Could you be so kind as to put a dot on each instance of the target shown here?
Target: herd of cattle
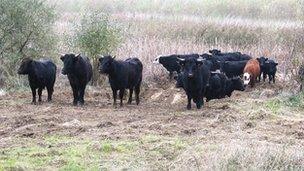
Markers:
(213, 76)
(216, 75)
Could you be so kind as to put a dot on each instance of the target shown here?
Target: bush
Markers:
(25, 31)
(96, 35)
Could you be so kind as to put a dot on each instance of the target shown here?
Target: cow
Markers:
(194, 78)
(122, 75)
(79, 71)
(220, 86)
(230, 56)
(170, 62)
(268, 67)
(235, 83)
(233, 68)
(262, 60)
(213, 63)
(209, 64)
(251, 72)
(41, 74)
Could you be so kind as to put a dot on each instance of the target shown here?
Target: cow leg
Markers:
(252, 82)
(75, 95)
(189, 102)
(39, 94)
(121, 93)
(137, 91)
(81, 95)
(273, 79)
(114, 96)
(34, 95)
(199, 103)
(269, 78)
(260, 77)
(264, 76)
(50, 91)
(130, 95)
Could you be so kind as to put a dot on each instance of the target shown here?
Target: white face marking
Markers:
(156, 60)
(246, 78)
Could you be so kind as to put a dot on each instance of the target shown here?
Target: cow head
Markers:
(190, 65)
(215, 51)
(25, 66)
(105, 64)
(69, 61)
(238, 84)
(246, 78)
(262, 60)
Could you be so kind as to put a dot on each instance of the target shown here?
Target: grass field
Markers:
(259, 129)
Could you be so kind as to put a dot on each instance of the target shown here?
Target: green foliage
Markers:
(25, 31)
(296, 101)
(97, 35)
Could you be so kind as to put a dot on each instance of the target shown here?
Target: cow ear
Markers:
(114, 57)
(276, 64)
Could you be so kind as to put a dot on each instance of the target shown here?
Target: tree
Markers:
(96, 35)
(25, 31)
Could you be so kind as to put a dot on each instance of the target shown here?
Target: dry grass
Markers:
(241, 155)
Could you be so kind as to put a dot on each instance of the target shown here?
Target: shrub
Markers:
(96, 35)
(25, 31)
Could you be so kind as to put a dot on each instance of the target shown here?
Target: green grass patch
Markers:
(295, 101)
(274, 105)
(71, 153)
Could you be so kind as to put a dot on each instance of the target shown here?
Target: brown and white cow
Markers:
(251, 72)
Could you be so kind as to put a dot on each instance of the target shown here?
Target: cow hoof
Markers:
(74, 103)
(34, 103)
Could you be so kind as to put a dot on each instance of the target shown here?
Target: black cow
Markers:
(216, 88)
(170, 62)
(220, 86)
(213, 62)
(122, 75)
(233, 68)
(79, 71)
(209, 64)
(194, 77)
(270, 70)
(41, 74)
(262, 60)
(230, 56)
(235, 83)
(268, 67)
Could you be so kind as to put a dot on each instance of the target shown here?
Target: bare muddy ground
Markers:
(158, 134)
